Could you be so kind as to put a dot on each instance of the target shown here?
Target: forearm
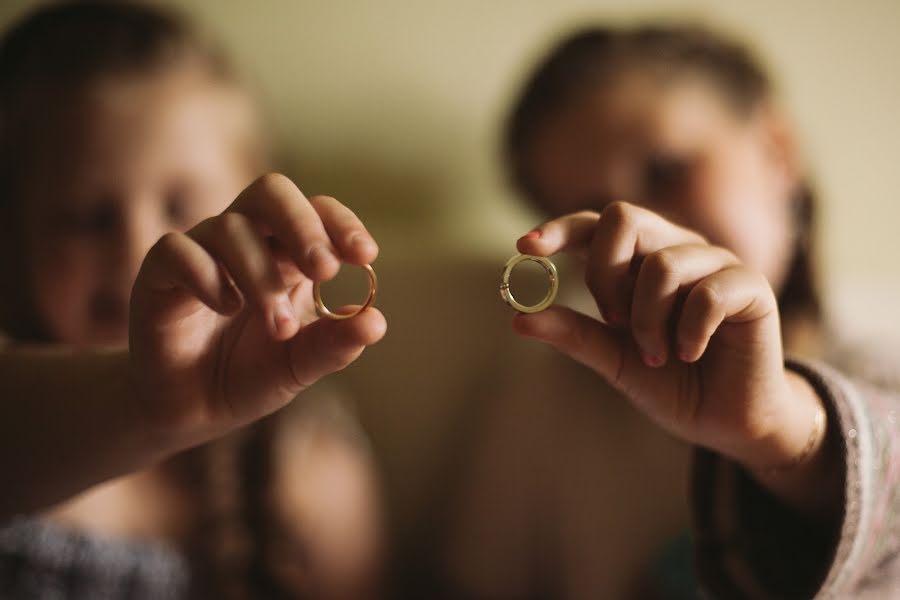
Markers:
(68, 420)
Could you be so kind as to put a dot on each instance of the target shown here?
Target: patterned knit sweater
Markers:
(749, 546)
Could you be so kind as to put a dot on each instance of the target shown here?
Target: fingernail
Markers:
(356, 240)
(684, 356)
(319, 256)
(520, 326)
(283, 316)
(653, 360)
(607, 316)
(531, 235)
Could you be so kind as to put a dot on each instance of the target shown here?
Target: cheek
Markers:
(63, 278)
(739, 206)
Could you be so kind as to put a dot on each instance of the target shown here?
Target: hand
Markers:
(223, 327)
(692, 336)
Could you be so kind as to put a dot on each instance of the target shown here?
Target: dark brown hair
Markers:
(593, 57)
(47, 58)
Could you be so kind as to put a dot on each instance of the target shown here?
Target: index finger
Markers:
(348, 234)
(624, 235)
(274, 202)
(569, 233)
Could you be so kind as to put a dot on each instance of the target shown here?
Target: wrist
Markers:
(794, 432)
(799, 463)
(800, 437)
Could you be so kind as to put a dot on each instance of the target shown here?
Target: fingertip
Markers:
(653, 360)
(689, 356)
(373, 325)
(520, 324)
(617, 318)
(525, 247)
(362, 329)
(361, 249)
(529, 243)
(283, 323)
(322, 264)
(530, 325)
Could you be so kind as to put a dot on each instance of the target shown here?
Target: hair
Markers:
(58, 52)
(594, 57)
(49, 57)
(50, 62)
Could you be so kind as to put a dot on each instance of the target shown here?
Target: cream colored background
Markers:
(396, 104)
(393, 106)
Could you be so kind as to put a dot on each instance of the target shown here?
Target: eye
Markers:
(94, 221)
(177, 203)
(663, 175)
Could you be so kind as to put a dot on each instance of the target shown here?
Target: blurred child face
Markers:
(128, 162)
(680, 150)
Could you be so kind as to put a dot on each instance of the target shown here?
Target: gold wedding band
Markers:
(323, 310)
(506, 292)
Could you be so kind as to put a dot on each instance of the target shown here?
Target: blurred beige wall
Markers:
(393, 106)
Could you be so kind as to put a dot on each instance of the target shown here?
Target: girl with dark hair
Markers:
(124, 137)
(701, 281)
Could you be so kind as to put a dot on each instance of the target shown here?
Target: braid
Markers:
(238, 533)
(257, 472)
(218, 545)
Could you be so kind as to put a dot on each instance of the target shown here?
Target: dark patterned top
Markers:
(749, 546)
(41, 560)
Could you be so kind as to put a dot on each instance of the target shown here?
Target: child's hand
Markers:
(693, 336)
(223, 325)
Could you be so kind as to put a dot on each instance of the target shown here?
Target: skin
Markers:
(202, 361)
(129, 162)
(685, 276)
(145, 226)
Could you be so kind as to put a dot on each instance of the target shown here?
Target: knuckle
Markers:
(619, 214)
(166, 244)
(764, 294)
(275, 182)
(230, 223)
(699, 238)
(662, 266)
(707, 298)
(587, 214)
(729, 257)
(325, 199)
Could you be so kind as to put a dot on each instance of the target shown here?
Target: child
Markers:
(121, 129)
(703, 282)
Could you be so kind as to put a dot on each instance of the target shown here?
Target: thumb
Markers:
(576, 335)
(326, 346)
